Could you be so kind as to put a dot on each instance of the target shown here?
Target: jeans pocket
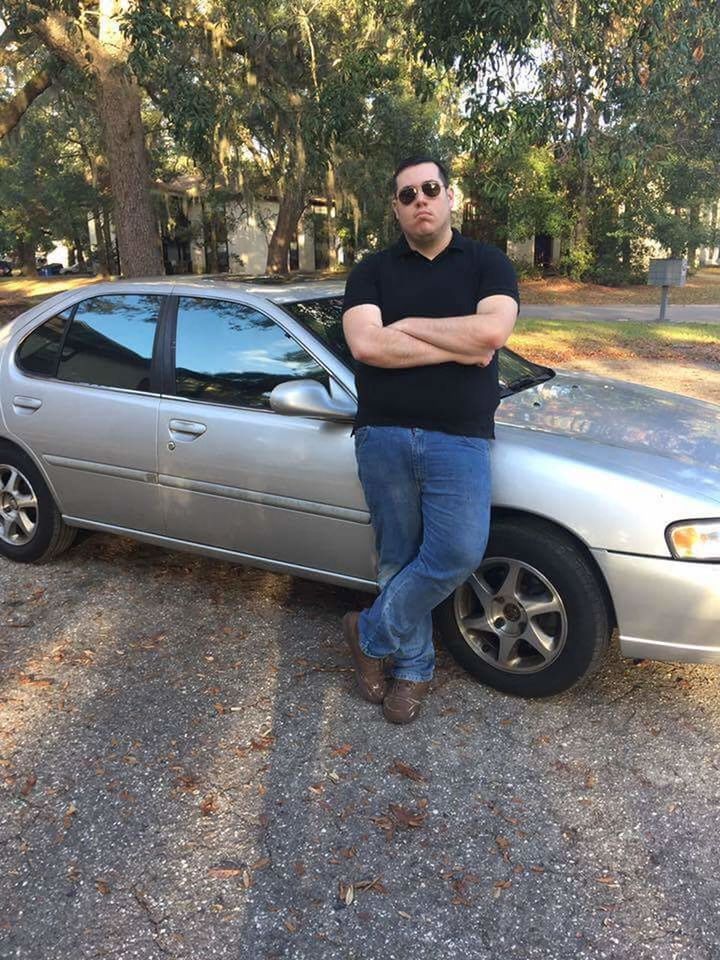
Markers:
(478, 443)
(361, 435)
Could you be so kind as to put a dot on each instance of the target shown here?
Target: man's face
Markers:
(425, 217)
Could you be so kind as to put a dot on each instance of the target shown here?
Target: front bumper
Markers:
(666, 609)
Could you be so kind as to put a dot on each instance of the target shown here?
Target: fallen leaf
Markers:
(263, 742)
(32, 680)
(503, 845)
(209, 804)
(609, 881)
(69, 814)
(224, 873)
(405, 915)
(374, 883)
(29, 784)
(103, 887)
(406, 817)
(260, 864)
(219, 708)
(342, 751)
(590, 781)
(187, 782)
(405, 770)
(299, 868)
(291, 926)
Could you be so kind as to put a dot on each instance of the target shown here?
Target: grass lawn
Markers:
(702, 287)
(561, 341)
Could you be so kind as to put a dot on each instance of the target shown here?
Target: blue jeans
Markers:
(429, 500)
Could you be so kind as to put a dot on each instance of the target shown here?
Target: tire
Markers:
(551, 594)
(31, 528)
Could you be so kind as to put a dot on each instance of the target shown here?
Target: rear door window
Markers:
(39, 353)
(110, 342)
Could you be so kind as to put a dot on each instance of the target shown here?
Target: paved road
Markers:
(185, 772)
(694, 313)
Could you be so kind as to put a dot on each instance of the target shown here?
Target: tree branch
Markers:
(86, 54)
(12, 111)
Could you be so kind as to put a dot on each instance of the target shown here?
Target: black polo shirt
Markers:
(450, 397)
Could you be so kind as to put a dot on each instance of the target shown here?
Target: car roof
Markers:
(271, 288)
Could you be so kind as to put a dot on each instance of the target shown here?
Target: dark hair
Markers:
(414, 162)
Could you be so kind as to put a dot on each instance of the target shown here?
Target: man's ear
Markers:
(394, 209)
(451, 197)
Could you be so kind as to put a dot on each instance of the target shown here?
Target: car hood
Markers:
(623, 415)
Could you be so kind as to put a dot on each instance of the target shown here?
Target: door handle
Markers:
(25, 405)
(186, 430)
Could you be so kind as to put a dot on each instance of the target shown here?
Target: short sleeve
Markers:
(497, 275)
(362, 284)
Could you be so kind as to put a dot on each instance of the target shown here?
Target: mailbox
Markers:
(668, 272)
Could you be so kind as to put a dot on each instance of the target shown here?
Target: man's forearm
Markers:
(392, 348)
(467, 336)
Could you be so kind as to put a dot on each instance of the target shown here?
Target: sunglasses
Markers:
(431, 188)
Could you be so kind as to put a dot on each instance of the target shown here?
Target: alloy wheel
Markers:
(511, 616)
(18, 507)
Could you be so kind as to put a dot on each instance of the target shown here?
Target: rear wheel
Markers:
(31, 528)
(533, 619)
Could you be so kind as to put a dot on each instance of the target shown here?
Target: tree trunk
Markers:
(332, 217)
(26, 256)
(110, 259)
(100, 243)
(292, 204)
(78, 252)
(135, 221)
(212, 264)
(692, 249)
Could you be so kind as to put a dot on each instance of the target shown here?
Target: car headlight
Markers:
(695, 540)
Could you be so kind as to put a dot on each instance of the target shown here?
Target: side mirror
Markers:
(308, 398)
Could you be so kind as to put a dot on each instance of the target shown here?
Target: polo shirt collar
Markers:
(403, 249)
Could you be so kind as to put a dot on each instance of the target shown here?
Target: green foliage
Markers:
(579, 261)
(45, 193)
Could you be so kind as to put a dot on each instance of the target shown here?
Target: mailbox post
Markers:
(667, 272)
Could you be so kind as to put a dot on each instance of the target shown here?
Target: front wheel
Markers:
(31, 528)
(533, 619)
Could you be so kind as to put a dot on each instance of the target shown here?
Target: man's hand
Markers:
(485, 330)
(372, 343)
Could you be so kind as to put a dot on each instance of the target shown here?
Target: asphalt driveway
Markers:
(186, 772)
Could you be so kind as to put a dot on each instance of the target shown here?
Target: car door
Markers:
(79, 394)
(237, 476)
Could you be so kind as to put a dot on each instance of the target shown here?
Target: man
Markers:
(423, 319)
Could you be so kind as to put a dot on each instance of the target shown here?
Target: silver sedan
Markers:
(217, 418)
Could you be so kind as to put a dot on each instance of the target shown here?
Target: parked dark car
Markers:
(5, 268)
(50, 270)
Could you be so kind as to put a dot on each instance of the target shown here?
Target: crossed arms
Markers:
(423, 341)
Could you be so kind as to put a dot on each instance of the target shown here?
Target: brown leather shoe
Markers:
(370, 671)
(403, 699)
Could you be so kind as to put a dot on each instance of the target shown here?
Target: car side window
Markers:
(110, 342)
(233, 354)
(39, 353)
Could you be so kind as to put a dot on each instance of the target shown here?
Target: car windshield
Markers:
(323, 317)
